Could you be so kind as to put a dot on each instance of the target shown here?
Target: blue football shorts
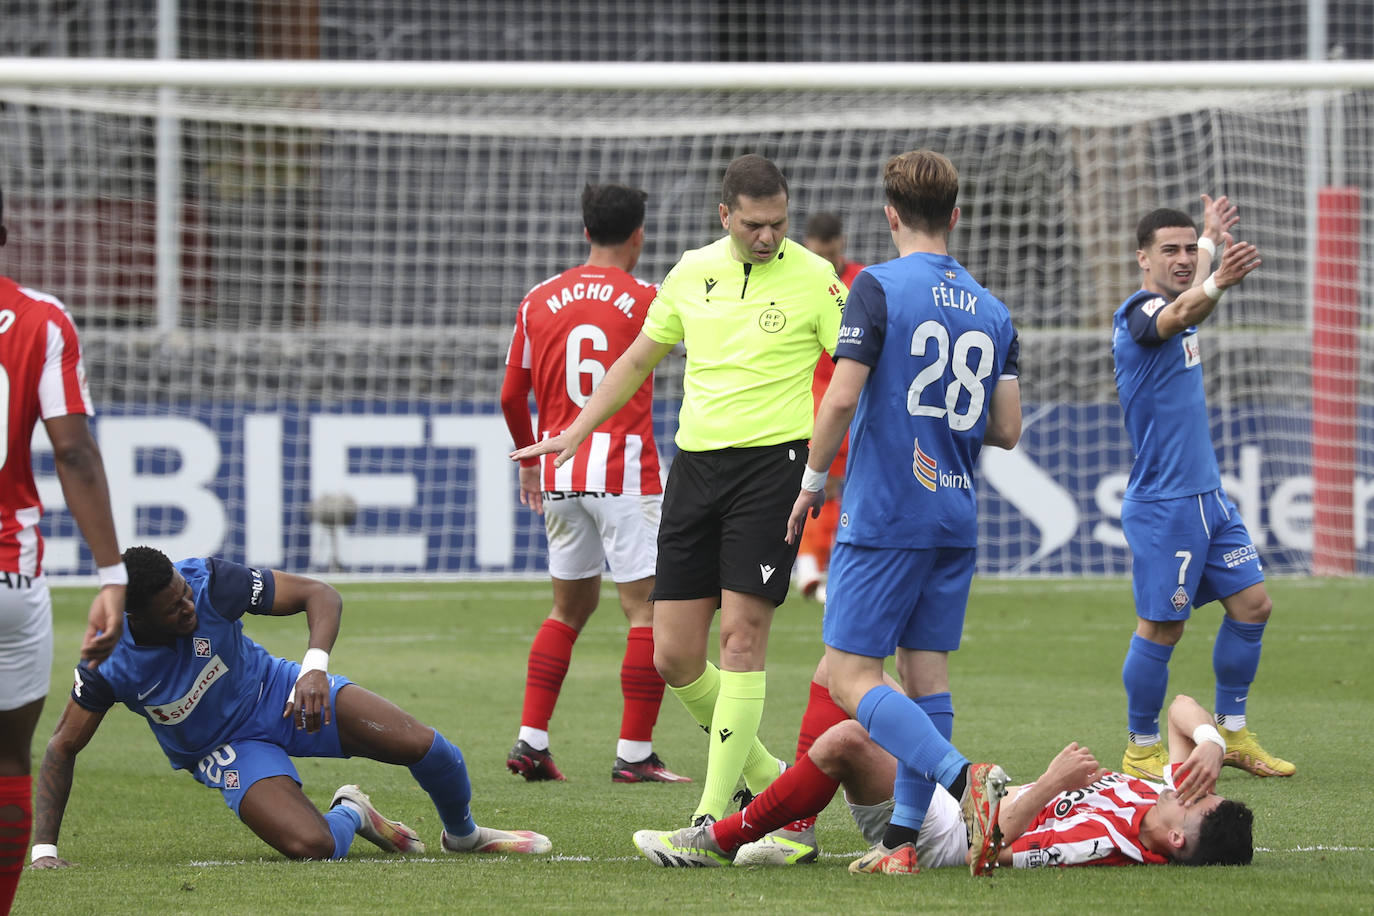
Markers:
(879, 598)
(1187, 552)
(264, 745)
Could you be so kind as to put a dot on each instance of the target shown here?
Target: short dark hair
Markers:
(922, 186)
(1163, 218)
(1225, 837)
(149, 573)
(612, 212)
(751, 175)
(824, 226)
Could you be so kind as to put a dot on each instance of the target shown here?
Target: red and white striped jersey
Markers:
(1098, 825)
(41, 376)
(569, 331)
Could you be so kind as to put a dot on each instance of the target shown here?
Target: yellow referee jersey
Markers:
(753, 333)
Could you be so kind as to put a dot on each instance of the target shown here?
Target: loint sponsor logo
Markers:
(925, 467)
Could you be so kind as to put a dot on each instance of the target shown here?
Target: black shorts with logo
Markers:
(724, 522)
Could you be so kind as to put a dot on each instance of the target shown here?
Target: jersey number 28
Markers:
(972, 363)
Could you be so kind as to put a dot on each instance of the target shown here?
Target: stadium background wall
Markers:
(437, 495)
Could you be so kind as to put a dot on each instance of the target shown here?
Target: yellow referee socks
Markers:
(700, 696)
(734, 732)
(700, 699)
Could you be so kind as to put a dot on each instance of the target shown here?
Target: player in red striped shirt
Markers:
(601, 508)
(41, 377)
(1076, 813)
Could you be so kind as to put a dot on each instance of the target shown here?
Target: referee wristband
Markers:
(1208, 246)
(114, 574)
(813, 481)
(1205, 732)
(43, 851)
(1210, 288)
(314, 660)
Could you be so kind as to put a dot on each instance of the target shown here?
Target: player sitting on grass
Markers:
(233, 715)
(1075, 814)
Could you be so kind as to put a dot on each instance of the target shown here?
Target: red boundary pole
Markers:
(1335, 380)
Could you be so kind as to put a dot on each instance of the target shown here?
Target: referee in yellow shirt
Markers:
(754, 312)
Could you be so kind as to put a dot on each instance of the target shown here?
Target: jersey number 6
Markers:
(578, 365)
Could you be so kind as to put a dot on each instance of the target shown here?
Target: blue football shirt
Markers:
(936, 343)
(1160, 386)
(198, 691)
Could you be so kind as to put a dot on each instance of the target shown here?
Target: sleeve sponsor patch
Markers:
(1153, 306)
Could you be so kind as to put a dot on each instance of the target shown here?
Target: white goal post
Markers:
(296, 279)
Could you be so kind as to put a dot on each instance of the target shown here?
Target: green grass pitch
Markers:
(1040, 666)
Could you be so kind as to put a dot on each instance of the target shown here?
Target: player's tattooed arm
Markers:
(54, 784)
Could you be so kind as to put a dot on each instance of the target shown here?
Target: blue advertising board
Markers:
(435, 492)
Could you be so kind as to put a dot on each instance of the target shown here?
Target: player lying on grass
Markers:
(233, 715)
(1075, 814)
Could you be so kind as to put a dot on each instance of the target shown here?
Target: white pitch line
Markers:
(1319, 849)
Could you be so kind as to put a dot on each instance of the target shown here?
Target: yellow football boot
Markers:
(1243, 750)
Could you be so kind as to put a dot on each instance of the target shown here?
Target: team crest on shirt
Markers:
(772, 320)
(1180, 599)
(202, 645)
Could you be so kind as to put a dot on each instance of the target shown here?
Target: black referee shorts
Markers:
(724, 522)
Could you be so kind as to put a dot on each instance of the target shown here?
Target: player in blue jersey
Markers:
(927, 368)
(1188, 543)
(233, 715)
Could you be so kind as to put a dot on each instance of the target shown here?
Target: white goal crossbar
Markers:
(1052, 77)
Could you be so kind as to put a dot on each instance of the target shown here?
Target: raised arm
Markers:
(1196, 303)
(1218, 216)
(1195, 741)
(323, 607)
(1072, 768)
(82, 475)
(622, 380)
(54, 784)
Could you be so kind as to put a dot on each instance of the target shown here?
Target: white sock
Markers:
(536, 738)
(633, 751)
(1144, 740)
(1232, 723)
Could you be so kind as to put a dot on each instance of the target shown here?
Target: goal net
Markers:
(296, 302)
